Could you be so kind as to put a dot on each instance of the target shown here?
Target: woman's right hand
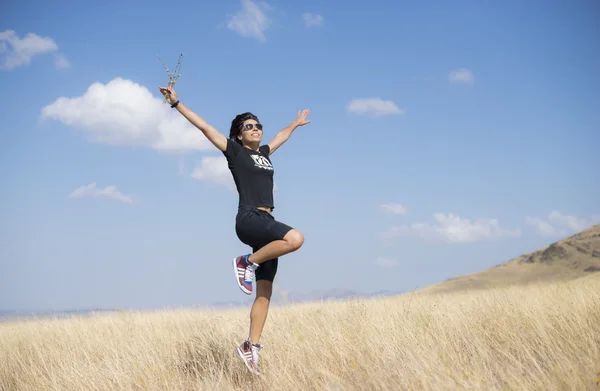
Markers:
(170, 93)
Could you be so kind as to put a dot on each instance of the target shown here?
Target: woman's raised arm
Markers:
(212, 134)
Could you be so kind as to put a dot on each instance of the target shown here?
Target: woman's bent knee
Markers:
(295, 239)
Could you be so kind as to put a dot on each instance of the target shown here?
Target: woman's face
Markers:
(251, 132)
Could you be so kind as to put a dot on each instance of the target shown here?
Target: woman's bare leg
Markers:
(292, 241)
(260, 309)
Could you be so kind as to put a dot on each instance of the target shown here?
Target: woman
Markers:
(256, 227)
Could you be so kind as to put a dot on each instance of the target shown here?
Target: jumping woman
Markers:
(255, 225)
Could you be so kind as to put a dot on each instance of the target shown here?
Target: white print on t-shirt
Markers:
(262, 162)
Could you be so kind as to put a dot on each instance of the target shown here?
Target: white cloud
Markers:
(558, 224)
(386, 262)
(453, 229)
(251, 21)
(110, 192)
(392, 208)
(125, 113)
(462, 75)
(312, 19)
(15, 51)
(214, 169)
(374, 106)
(542, 227)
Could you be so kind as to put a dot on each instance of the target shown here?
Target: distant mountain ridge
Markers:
(315, 296)
(291, 298)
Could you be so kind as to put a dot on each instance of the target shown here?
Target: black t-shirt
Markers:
(252, 172)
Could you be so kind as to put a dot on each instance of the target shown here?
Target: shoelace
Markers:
(255, 350)
(249, 273)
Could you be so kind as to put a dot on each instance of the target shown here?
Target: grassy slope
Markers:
(573, 257)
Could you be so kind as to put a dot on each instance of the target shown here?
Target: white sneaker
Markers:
(249, 354)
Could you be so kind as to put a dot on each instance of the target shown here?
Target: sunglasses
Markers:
(251, 126)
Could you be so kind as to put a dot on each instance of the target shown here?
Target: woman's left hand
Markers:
(169, 93)
(301, 119)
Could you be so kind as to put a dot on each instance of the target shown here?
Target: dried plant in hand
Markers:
(174, 75)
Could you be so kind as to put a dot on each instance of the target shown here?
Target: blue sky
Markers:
(445, 138)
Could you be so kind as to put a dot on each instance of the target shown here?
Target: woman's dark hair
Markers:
(238, 123)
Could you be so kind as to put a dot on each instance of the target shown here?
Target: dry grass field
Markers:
(535, 337)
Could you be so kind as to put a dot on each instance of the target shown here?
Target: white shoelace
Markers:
(249, 273)
(255, 350)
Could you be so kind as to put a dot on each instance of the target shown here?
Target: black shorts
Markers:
(257, 228)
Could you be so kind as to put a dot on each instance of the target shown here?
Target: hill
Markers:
(573, 257)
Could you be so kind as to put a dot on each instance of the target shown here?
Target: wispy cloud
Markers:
(559, 224)
(110, 192)
(312, 19)
(374, 106)
(251, 21)
(61, 62)
(122, 112)
(453, 229)
(392, 208)
(16, 51)
(461, 75)
(214, 169)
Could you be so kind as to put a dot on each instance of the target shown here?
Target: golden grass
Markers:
(542, 337)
